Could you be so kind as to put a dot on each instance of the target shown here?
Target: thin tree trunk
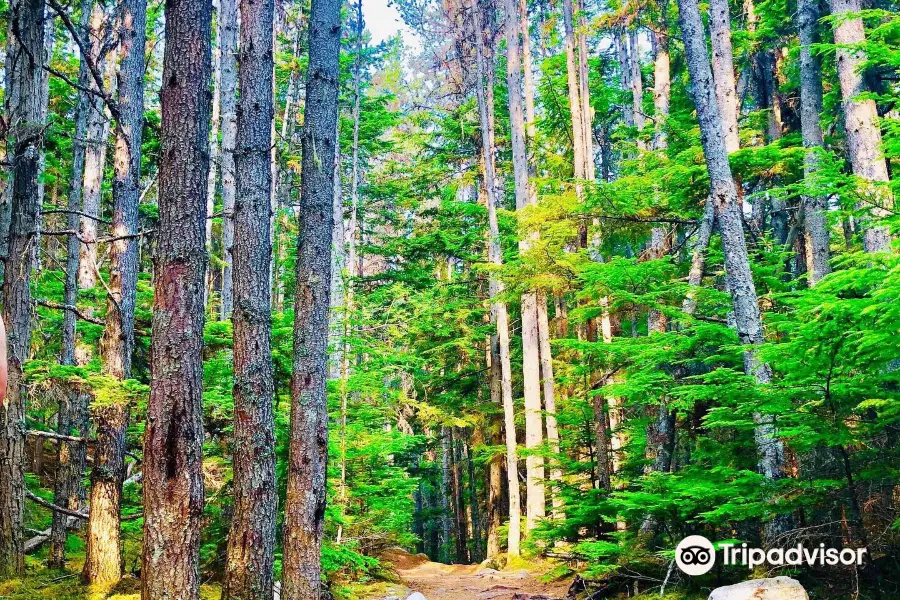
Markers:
(662, 79)
(103, 564)
(446, 509)
(173, 440)
(211, 185)
(637, 84)
(306, 493)
(723, 71)
(587, 135)
(71, 411)
(574, 89)
(737, 264)
(25, 43)
(251, 541)
(814, 207)
(228, 48)
(97, 136)
(534, 434)
(495, 475)
(499, 314)
(861, 121)
(550, 403)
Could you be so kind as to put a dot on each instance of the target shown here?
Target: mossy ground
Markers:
(39, 582)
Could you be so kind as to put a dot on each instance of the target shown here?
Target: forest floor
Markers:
(437, 581)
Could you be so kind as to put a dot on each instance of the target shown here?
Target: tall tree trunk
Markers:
(173, 440)
(499, 314)
(661, 431)
(213, 180)
(251, 541)
(724, 198)
(103, 564)
(587, 135)
(446, 508)
(534, 430)
(305, 508)
(814, 207)
(71, 411)
(723, 71)
(95, 148)
(662, 79)
(572, 77)
(636, 81)
(25, 43)
(549, 385)
(495, 469)
(861, 120)
(228, 48)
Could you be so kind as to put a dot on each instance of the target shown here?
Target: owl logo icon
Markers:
(695, 555)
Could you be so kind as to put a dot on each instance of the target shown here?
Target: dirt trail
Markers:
(470, 582)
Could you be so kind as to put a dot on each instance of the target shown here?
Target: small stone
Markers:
(416, 596)
(487, 572)
(775, 588)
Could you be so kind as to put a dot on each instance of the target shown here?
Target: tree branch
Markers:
(49, 505)
(58, 436)
(73, 309)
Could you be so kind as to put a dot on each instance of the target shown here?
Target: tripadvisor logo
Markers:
(695, 555)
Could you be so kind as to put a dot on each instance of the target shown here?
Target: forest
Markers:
(510, 305)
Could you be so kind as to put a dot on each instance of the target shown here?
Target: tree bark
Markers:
(96, 142)
(103, 564)
(228, 48)
(495, 475)
(662, 79)
(861, 121)
(499, 314)
(549, 384)
(25, 44)
(251, 541)
(173, 474)
(637, 84)
(306, 493)
(737, 264)
(814, 205)
(534, 430)
(723, 71)
(72, 412)
(572, 77)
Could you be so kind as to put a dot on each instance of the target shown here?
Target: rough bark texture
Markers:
(228, 48)
(531, 377)
(251, 541)
(25, 43)
(723, 71)
(861, 120)
(103, 564)
(173, 476)
(305, 508)
(549, 388)
(724, 199)
(574, 89)
(495, 473)
(499, 314)
(637, 84)
(97, 135)
(662, 80)
(814, 205)
(72, 413)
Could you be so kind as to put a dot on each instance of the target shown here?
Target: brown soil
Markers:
(469, 582)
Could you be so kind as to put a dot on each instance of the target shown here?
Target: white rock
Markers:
(776, 588)
(416, 596)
